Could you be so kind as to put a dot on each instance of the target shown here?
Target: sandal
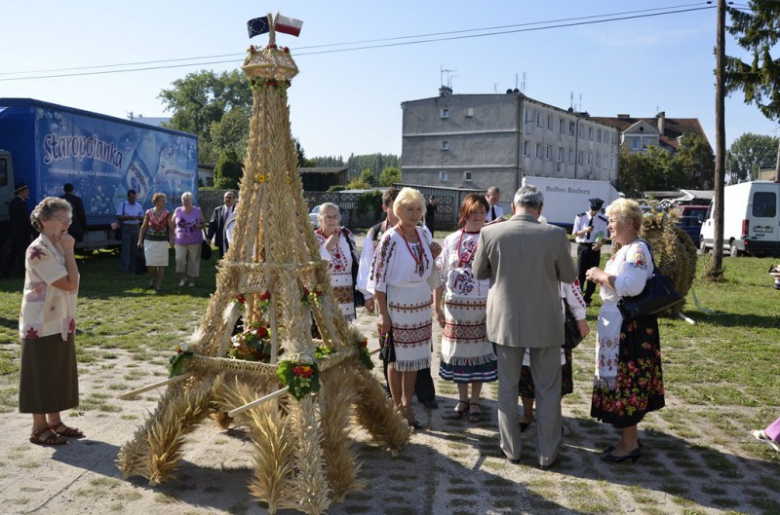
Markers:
(63, 430)
(458, 414)
(474, 416)
(37, 437)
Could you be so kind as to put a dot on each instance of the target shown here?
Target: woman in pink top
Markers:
(187, 225)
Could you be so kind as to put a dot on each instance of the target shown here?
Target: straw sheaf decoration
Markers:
(303, 449)
(673, 251)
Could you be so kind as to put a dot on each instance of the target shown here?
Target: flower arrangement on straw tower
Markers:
(253, 362)
(674, 253)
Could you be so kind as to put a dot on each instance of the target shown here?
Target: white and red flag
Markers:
(288, 25)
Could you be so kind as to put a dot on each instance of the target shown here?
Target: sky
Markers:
(346, 102)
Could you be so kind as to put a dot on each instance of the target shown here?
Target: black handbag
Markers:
(357, 295)
(658, 295)
(571, 330)
(140, 262)
(386, 347)
(205, 250)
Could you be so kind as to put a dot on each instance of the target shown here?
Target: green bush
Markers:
(369, 200)
(337, 187)
(228, 171)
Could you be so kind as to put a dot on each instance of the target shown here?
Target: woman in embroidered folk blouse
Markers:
(466, 354)
(48, 378)
(155, 238)
(336, 247)
(399, 281)
(629, 379)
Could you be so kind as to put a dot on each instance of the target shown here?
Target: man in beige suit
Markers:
(524, 260)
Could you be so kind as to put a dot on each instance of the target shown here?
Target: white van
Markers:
(751, 220)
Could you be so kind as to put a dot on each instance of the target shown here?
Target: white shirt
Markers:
(582, 221)
(128, 209)
(394, 265)
(498, 210)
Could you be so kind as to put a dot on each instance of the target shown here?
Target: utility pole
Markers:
(716, 268)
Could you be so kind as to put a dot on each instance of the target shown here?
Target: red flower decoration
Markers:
(364, 343)
(240, 298)
(266, 295)
(305, 291)
(31, 334)
(261, 332)
(304, 371)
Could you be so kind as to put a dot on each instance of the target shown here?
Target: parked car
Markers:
(314, 217)
(690, 220)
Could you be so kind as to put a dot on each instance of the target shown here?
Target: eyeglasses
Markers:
(63, 219)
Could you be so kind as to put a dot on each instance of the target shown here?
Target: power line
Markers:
(588, 20)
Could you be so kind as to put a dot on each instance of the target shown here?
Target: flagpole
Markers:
(271, 29)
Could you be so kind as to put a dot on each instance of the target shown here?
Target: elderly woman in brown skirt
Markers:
(48, 380)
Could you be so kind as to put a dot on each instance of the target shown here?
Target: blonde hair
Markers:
(45, 210)
(157, 196)
(627, 211)
(408, 196)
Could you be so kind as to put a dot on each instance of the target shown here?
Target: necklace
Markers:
(466, 261)
(400, 231)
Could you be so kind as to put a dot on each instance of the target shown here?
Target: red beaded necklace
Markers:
(461, 261)
(400, 231)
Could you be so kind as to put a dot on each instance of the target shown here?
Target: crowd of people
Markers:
(498, 289)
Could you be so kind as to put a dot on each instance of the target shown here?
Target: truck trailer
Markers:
(46, 145)
(564, 199)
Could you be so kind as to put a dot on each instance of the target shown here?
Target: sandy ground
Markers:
(451, 467)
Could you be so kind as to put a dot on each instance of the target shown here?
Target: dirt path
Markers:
(452, 467)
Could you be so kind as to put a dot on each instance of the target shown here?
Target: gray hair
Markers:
(529, 196)
(45, 211)
(493, 190)
(328, 205)
(187, 194)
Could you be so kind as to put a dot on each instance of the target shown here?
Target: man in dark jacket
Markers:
(21, 230)
(79, 225)
(217, 223)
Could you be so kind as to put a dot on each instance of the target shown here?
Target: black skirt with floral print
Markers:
(639, 386)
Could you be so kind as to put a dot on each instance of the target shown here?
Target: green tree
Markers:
(358, 184)
(696, 163)
(389, 176)
(228, 171)
(200, 100)
(758, 32)
(368, 177)
(749, 153)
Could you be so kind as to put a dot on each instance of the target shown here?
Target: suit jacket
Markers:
(524, 261)
(217, 228)
(79, 225)
(21, 228)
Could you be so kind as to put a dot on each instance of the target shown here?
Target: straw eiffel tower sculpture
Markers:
(273, 277)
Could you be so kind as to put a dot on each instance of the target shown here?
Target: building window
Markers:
(445, 145)
(548, 152)
(444, 176)
(571, 128)
(571, 156)
(526, 116)
(562, 126)
(560, 154)
(467, 176)
(538, 119)
(469, 112)
(527, 148)
(634, 143)
(598, 159)
(539, 151)
(598, 136)
(579, 131)
(590, 159)
(444, 113)
(579, 158)
(549, 122)
(590, 133)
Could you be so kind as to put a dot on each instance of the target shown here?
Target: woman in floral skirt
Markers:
(629, 380)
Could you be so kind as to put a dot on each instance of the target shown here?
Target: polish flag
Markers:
(288, 25)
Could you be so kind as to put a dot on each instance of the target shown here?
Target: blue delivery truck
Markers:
(46, 145)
